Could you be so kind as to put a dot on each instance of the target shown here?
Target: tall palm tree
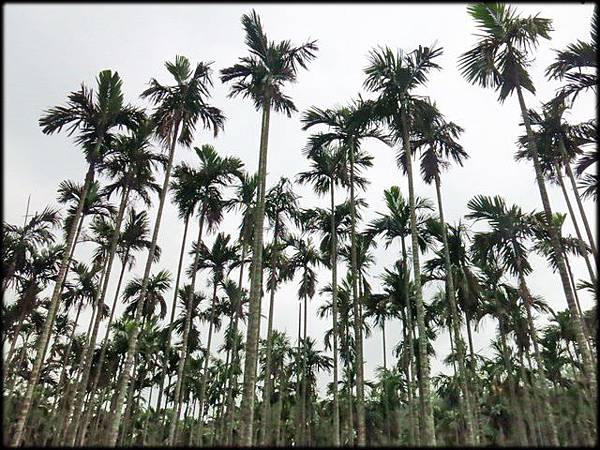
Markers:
(304, 259)
(378, 308)
(185, 196)
(261, 77)
(500, 60)
(133, 237)
(510, 228)
(348, 127)
(131, 167)
(281, 206)
(325, 175)
(93, 119)
(207, 181)
(177, 111)
(436, 140)
(394, 77)
(218, 259)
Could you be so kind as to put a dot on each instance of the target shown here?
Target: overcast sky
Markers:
(51, 49)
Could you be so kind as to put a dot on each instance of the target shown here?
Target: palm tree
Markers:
(558, 143)
(21, 243)
(281, 206)
(348, 126)
(571, 64)
(304, 259)
(134, 237)
(394, 76)
(157, 285)
(436, 139)
(499, 60)
(184, 190)
(261, 77)
(214, 173)
(510, 228)
(93, 118)
(325, 174)
(178, 109)
(220, 259)
(131, 167)
(377, 307)
(396, 223)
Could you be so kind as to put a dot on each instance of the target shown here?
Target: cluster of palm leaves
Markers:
(155, 376)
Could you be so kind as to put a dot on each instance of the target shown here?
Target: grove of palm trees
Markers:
(356, 270)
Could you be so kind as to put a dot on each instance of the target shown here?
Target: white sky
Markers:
(51, 49)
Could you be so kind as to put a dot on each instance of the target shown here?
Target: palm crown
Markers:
(499, 60)
(261, 75)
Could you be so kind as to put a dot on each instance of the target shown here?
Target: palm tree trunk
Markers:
(303, 414)
(17, 334)
(424, 386)
(411, 418)
(360, 397)
(580, 242)
(252, 335)
(539, 383)
(235, 360)
(336, 407)
(206, 359)
(516, 410)
(88, 411)
(99, 300)
(298, 407)
(411, 347)
(115, 417)
(472, 437)
(386, 404)
(265, 429)
(61, 379)
(186, 330)
(581, 341)
(172, 318)
(586, 224)
(41, 345)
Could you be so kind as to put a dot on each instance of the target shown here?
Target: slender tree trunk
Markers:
(99, 300)
(586, 224)
(589, 370)
(471, 435)
(172, 318)
(580, 242)
(235, 360)
(411, 418)
(13, 343)
(265, 429)
(252, 335)
(425, 387)
(360, 406)
(386, 404)
(63, 371)
(304, 427)
(115, 417)
(516, 410)
(41, 345)
(298, 404)
(186, 330)
(411, 347)
(541, 378)
(206, 359)
(336, 406)
(87, 411)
